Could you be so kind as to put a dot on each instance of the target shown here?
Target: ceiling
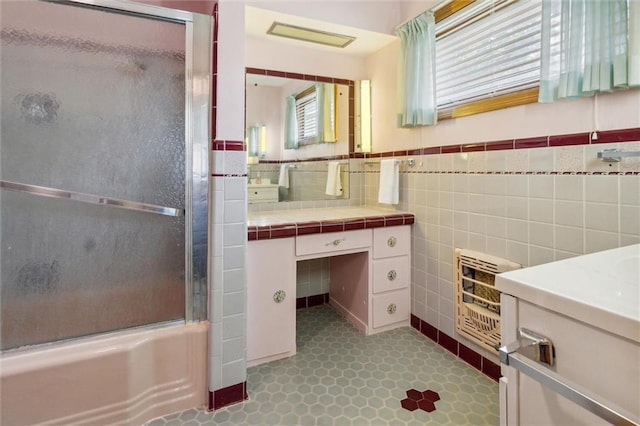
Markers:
(258, 21)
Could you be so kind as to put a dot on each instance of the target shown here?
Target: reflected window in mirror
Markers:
(315, 115)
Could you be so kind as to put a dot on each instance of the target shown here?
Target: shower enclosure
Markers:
(104, 156)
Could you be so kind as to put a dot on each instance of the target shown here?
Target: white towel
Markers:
(334, 184)
(389, 182)
(284, 176)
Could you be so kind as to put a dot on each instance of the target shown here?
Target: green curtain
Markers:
(290, 124)
(416, 72)
(326, 107)
(588, 46)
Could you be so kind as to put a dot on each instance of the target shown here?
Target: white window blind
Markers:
(307, 117)
(489, 48)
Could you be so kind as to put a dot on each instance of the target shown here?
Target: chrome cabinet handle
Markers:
(392, 274)
(531, 352)
(391, 309)
(279, 296)
(391, 242)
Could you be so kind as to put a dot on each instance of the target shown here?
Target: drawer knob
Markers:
(279, 296)
(391, 309)
(392, 274)
(391, 242)
(335, 242)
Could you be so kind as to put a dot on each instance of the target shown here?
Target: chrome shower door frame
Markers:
(198, 51)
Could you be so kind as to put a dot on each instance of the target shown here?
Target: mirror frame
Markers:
(321, 79)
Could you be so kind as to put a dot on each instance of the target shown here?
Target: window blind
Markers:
(487, 49)
(307, 117)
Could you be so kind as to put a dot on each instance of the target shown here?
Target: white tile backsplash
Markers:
(630, 219)
(233, 303)
(541, 210)
(531, 218)
(602, 217)
(601, 189)
(568, 158)
(598, 241)
(569, 239)
(234, 326)
(541, 186)
(569, 187)
(235, 234)
(630, 190)
(570, 213)
(233, 350)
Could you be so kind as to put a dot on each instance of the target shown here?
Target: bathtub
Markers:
(125, 378)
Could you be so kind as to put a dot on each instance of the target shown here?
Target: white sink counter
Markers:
(601, 289)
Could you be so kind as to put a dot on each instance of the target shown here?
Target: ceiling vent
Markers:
(310, 35)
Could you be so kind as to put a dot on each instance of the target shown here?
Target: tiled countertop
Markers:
(289, 223)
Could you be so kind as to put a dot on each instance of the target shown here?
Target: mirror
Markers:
(313, 170)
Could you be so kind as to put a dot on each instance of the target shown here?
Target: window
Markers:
(307, 116)
(316, 114)
(487, 56)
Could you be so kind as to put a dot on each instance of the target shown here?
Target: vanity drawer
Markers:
(391, 241)
(391, 274)
(332, 242)
(389, 308)
(262, 194)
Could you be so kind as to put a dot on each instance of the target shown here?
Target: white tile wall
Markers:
(527, 218)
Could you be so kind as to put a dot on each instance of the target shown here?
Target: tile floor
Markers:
(341, 377)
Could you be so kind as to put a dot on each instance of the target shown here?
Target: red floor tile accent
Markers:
(423, 400)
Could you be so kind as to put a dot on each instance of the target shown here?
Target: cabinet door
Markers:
(271, 322)
(391, 241)
(391, 274)
(391, 307)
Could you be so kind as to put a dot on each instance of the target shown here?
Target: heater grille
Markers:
(477, 300)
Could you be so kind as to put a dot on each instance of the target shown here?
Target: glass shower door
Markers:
(93, 169)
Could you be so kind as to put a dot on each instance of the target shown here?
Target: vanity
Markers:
(262, 192)
(370, 271)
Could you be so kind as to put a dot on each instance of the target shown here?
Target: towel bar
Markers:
(89, 198)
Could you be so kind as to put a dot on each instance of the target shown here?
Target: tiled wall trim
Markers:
(311, 301)
(463, 352)
(318, 227)
(228, 396)
(606, 136)
(227, 145)
(335, 157)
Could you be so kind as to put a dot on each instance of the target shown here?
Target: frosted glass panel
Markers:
(92, 102)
